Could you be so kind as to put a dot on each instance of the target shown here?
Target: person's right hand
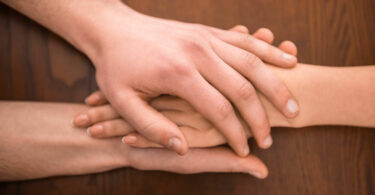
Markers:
(140, 57)
(105, 122)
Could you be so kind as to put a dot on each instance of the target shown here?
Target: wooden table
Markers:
(37, 65)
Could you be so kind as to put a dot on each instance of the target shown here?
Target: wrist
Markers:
(94, 25)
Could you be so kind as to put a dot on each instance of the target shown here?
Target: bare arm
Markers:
(328, 95)
(38, 140)
(126, 47)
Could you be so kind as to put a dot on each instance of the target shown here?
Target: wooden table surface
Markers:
(37, 65)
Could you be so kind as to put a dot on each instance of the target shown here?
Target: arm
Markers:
(37, 140)
(328, 96)
(138, 57)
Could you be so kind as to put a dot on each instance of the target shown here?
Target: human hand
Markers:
(145, 57)
(105, 122)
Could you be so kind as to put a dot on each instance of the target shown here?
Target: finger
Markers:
(240, 29)
(288, 47)
(197, 161)
(150, 123)
(265, 35)
(258, 47)
(193, 120)
(265, 81)
(95, 99)
(218, 110)
(139, 141)
(95, 115)
(196, 138)
(110, 128)
(171, 103)
(241, 92)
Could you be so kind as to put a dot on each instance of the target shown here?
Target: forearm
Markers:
(79, 22)
(328, 96)
(37, 140)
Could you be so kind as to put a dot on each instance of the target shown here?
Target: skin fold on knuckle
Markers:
(250, 62)
(246, 91)
(224, 110)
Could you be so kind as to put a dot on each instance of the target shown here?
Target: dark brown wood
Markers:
(37, 65)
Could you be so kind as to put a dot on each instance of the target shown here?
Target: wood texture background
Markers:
(37, 65)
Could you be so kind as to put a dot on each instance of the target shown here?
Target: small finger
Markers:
(218, 159)
(95, 115)
(288, 47)
(258, 47)
(96, 98)
(110, 128)
(240, 29)
(171, 103)
(265, 35)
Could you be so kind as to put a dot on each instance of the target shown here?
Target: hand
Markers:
(219, 159)
(44, 144)
(105, 122)
(145, 57)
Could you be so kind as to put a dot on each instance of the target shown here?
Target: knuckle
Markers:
(246, 91)
(225, 109)
(281, 92)
(250, 61)
(108, 127)
(94, 114)
(194, 45)
(247, 39)
(180, 69)
(263, 127)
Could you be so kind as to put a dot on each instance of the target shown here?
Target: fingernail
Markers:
(96, 130)
(81, 119)
(292, 107)
(288, 57)
(268, 141)
(246, 150)
(130, 139)
(255, 174)
(174, 143)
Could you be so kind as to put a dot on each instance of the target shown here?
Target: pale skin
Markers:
(38, 141)
(328, 96)
(138, 57)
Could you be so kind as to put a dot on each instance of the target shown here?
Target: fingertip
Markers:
(256, 167)
(81, 120)
(95, 130)
(177, 145)
(129, 139)
(289, 59)
(291, 108)
(240, 29)
(264, 34)
(92, 99)
(267, 143)
(288, 47)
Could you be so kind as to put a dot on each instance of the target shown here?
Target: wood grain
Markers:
(37, 65)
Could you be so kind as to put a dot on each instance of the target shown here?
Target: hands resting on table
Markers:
(139, 58)
(103, 121)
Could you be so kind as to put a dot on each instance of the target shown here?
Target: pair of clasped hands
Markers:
(174, 85)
